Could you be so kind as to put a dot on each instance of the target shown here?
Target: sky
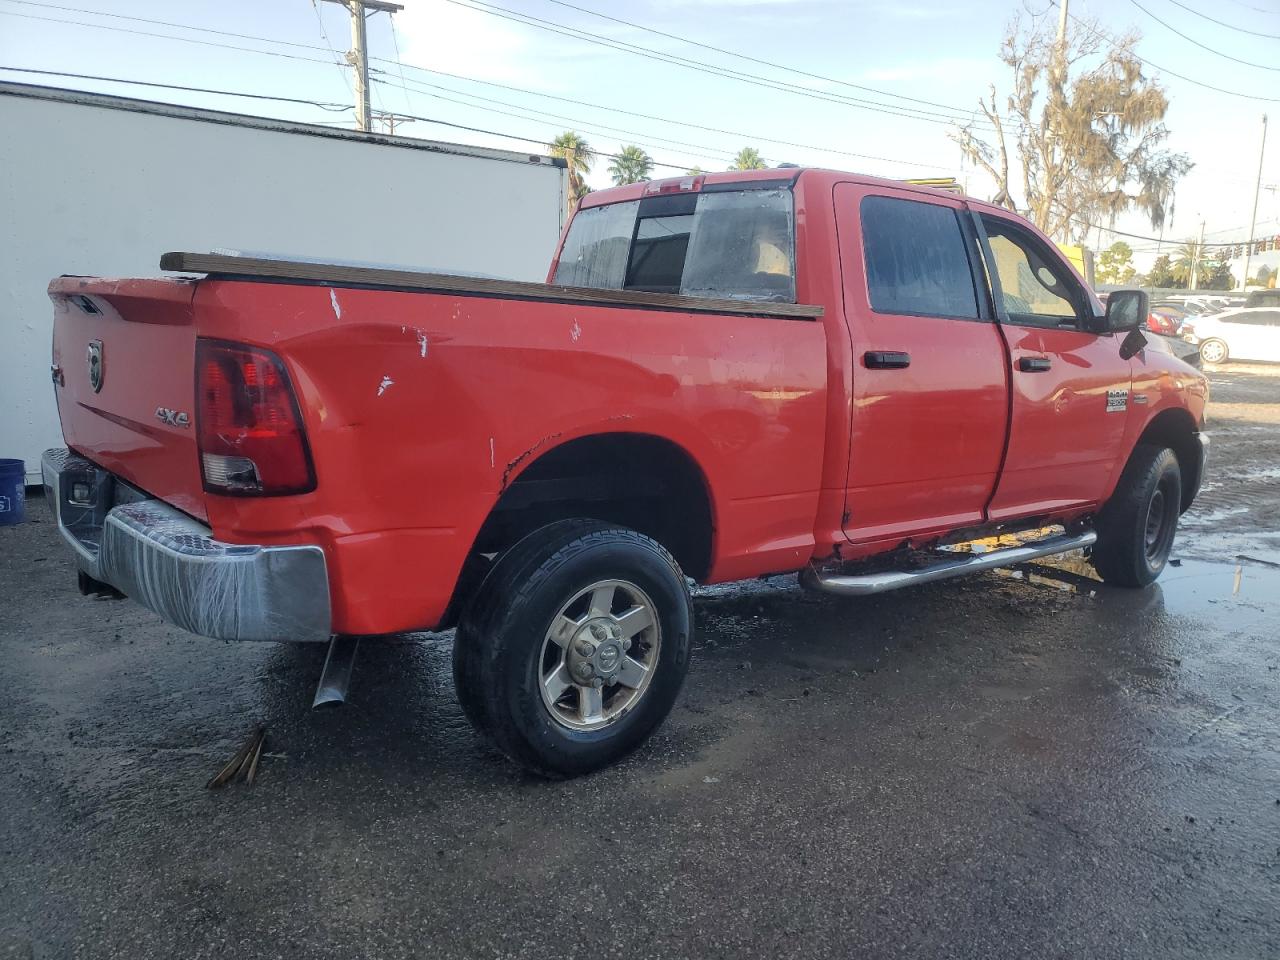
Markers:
(871, 87)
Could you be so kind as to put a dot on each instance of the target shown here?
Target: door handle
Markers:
(886, 359)
(1033, 364)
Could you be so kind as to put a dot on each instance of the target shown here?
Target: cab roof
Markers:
(816, 177)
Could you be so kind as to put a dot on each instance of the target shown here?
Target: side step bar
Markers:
(859, 585)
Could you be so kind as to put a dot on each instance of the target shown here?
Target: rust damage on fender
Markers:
(512, 464)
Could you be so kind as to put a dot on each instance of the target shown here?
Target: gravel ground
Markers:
(1018, 765)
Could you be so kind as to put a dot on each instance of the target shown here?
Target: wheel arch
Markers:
(643, 481)
(1176, 429)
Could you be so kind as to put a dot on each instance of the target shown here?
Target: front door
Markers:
(930, 387)
(1070, 385)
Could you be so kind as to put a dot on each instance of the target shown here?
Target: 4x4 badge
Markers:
(175, 418)
(1117, 401)
(96, 371)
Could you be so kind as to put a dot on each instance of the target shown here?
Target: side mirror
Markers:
(1127, 310)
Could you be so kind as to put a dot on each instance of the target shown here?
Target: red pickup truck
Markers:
(725, 376)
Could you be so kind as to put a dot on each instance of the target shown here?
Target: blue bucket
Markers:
(13, 492)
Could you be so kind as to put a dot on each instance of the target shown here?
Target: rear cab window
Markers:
(736, 244)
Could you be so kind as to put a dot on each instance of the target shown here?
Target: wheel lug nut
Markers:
(584, 649)
(597, 631)
(626, 644)
(584, 670)
(597, 682)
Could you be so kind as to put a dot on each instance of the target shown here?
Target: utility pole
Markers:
(391, 119)
(1253, 220)
(1062, 27)
(1195, 260)
(358, 55)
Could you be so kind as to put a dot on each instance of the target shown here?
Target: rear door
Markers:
(930, 385)
(1070, 397)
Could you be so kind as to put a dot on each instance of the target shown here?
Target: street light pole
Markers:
(1253, 220)
(1195, 259)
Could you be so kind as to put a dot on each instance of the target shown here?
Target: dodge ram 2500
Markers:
(724, 376)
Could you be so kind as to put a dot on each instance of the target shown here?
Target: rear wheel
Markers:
(1137, 526)
(575, 647)
(1213, 351)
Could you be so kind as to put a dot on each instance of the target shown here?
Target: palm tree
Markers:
(748, 158)
(1184, 257)
(631, 166)
(577, 153)
(695, 172)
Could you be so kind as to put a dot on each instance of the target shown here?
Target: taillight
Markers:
(249, 428)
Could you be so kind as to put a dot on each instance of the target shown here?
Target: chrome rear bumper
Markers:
(170, 563)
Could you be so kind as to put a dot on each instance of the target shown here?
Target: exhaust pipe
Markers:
(335, 678)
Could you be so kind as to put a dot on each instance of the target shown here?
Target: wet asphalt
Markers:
(1022, 764)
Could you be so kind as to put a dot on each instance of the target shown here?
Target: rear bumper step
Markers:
(170, 563)
(858, 585)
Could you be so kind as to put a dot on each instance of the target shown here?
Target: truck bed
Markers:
(425, 397)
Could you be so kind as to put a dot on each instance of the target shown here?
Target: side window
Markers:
(916, 259)
(1038, 290)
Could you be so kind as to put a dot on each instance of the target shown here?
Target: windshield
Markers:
(733, 244)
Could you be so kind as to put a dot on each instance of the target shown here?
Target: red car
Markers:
(1163, 322)
(725, 376)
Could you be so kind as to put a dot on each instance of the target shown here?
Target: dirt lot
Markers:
(1017, 765)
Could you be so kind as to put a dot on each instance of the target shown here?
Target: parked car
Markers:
(726, 376)
(1164, 321)
(1248, 333)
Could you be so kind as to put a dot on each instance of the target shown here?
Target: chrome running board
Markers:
(858, 585)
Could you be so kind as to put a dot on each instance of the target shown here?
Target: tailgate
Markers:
(124, 372)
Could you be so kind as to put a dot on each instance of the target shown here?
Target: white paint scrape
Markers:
(386, 382)
(422, 344)
(492, 459)
(575, 332)
(333, 299)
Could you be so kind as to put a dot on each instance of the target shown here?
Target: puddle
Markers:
(1193, 519)
(1197, 587)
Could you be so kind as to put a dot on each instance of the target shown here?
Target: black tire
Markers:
(498, 656)
(1137, 526)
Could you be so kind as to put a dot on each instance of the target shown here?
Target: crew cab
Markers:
(724, 376)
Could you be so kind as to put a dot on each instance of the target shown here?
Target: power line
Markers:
(324, 34)
(329, 49)
(607, 131)
(751, 59)
(332, 107)
(1095, 31)
(157, 23)
(1223, 23)
(648, 116)
(1202, 46)
(165, 36)
(699, 66)
(1139, 236)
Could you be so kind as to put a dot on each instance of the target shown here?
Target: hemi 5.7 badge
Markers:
(1117, 401)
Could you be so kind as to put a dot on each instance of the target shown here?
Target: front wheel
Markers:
(1137, 526)
(1213, 351)
(575, 647)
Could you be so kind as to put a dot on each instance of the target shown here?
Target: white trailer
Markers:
(102, 185)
